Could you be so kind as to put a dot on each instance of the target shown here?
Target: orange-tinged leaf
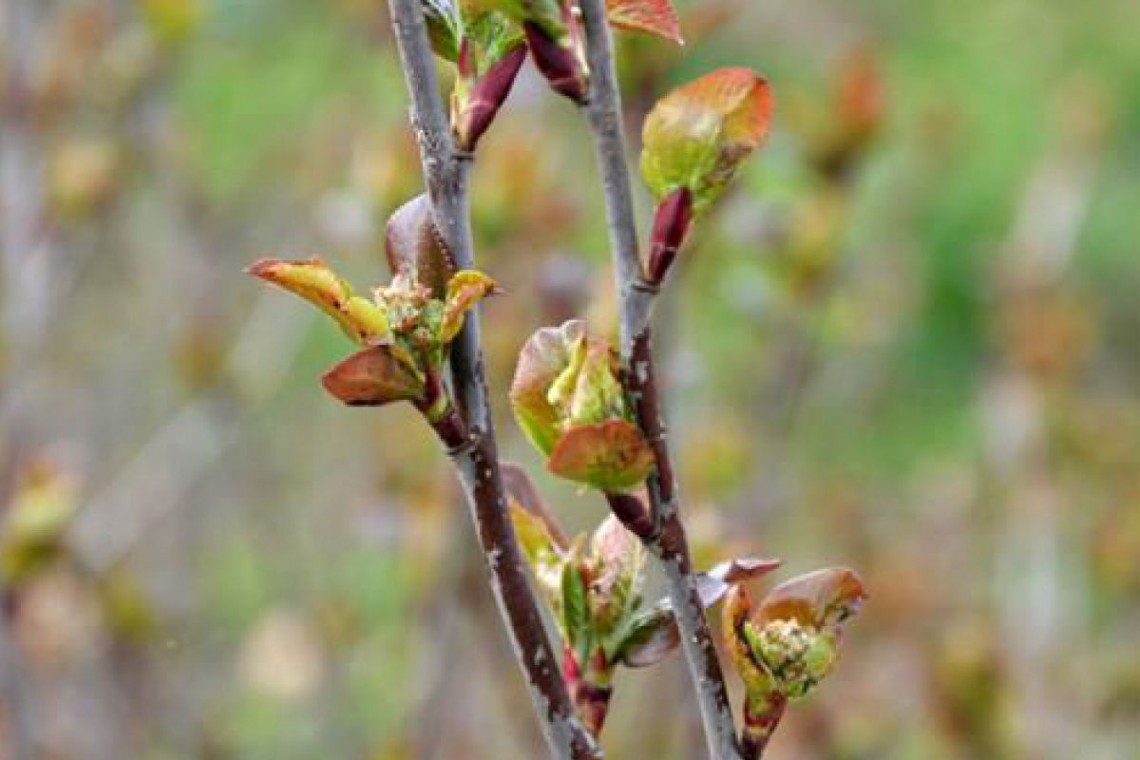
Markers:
(312, 280)
(464, 290)
(822, 598)
(698, 135)
(610, 456)
(373, 377)
(657, 17)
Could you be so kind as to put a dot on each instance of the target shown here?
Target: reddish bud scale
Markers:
(557, 63)
(487, 97)
(592, 700)
(670, 227)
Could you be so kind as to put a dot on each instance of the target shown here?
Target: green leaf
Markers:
(546, 13)
(648, 638)
(575, 607)
(444, 27)
(697, 136)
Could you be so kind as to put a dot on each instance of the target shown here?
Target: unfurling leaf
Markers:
(577, 625)
(652, 636)
(657, 17)
(786, 645)
(822, 598)
(546, 13)
(568, 399)
(697, 136)
(312, 280)
(414, 247)
(541, 538)
(373, 377)
(544, 357)
(610, 456)
(464, 291)
(735, 616)
(520, 488)
(444, 27)
(619, 560)
(533, 536)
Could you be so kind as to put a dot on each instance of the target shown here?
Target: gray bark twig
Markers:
(636, 297)
(471, 442)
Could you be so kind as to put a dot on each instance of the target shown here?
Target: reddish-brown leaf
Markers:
(373, 377)
(414, 247)
(610, 456)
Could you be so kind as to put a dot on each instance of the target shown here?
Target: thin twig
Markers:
(474, 449)
(636, 297)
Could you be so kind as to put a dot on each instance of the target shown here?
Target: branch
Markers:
(636, 296)
(470, 438)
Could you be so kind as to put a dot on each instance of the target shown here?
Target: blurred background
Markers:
(906, 342)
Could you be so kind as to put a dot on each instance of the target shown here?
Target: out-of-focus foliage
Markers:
(904, 341)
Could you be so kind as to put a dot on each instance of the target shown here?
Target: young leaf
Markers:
(820, 599)
(414, 247)
(373, 377)
(520, 488)
(465, 289)
(312, 280)
(575, 606)
(697, 136)
(546, 558)
(657, 17)
(652, 635)
(618, 559)
(735, 616)
(444, 27)
(610, 456)
(543, 358)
